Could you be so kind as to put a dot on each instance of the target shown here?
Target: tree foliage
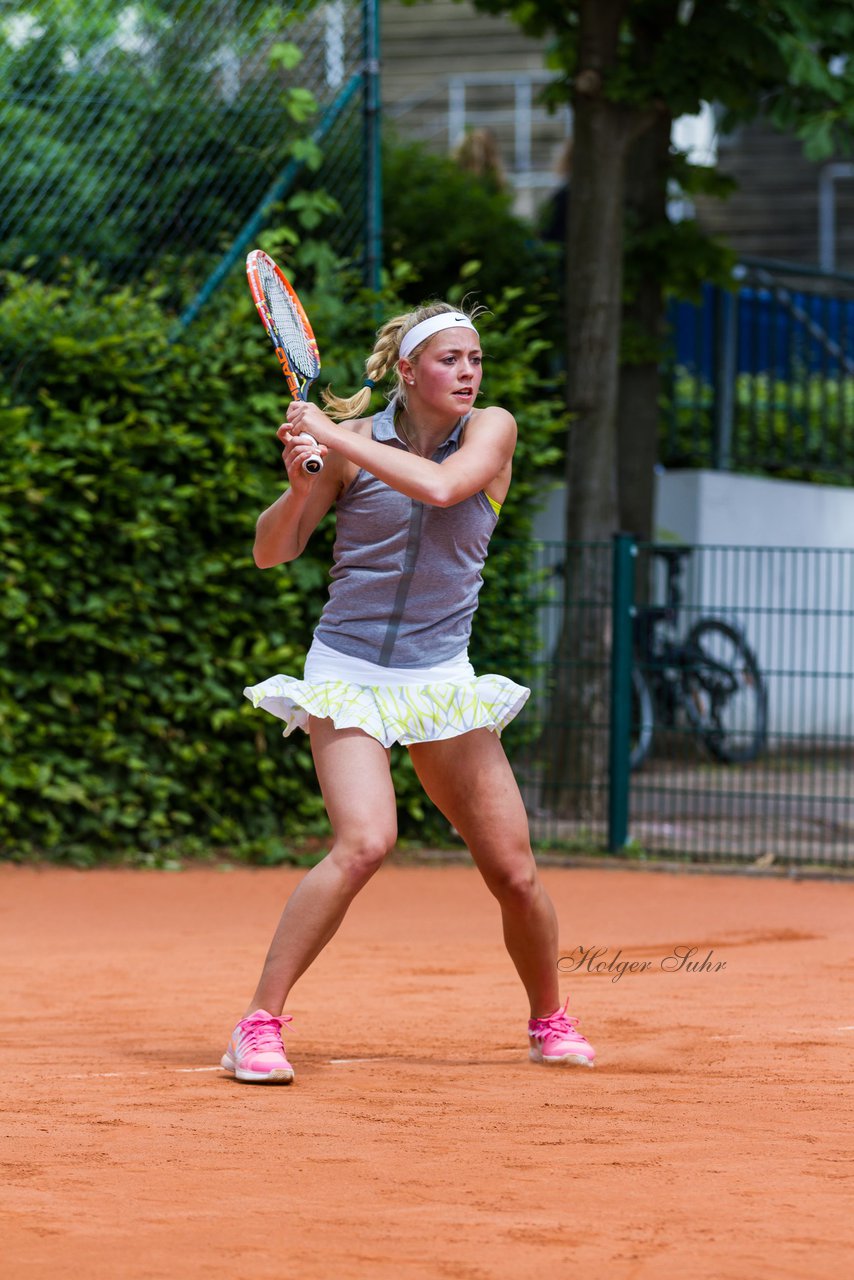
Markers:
(789, 63)
(788, 60)
(131, 131)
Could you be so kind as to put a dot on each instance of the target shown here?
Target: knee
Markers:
(515, 882)
(360, 856)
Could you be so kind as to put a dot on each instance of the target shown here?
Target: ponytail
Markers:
(379, 362)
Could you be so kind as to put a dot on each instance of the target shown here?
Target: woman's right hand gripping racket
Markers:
(288, 329)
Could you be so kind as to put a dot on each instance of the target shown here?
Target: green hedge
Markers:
(131, 474)
(802, 429)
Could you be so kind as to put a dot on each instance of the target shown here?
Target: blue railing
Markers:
(761, 377)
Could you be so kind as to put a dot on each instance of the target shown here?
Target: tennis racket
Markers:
(288, 329)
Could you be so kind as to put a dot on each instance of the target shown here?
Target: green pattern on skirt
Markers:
(394, 713)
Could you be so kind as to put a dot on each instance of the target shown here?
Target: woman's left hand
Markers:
(303, 416)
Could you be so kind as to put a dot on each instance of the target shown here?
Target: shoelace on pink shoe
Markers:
(261, 1035)
(559, 1021)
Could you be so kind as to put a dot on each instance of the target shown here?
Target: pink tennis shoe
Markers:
(255, 1053)
(556, 1041)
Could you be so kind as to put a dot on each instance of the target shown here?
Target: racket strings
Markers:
(288, 325)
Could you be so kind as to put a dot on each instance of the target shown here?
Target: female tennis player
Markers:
(417, 491)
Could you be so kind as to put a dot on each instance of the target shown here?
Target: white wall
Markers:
(715, 508)
(792, 592)
(776, 557)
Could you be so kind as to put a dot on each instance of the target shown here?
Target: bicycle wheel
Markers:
(724, 692)
(642, 720)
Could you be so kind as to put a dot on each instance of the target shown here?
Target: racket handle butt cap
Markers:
(314, 463)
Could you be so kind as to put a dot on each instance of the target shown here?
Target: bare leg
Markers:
(470, 780)
(354, 775)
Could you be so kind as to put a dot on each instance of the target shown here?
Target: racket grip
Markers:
(315, 463)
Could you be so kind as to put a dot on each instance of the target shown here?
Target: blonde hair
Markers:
(384, 357)
(478, 152)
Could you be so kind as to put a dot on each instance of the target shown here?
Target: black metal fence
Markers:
(731, 735)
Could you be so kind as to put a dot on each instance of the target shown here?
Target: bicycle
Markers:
(711, 675)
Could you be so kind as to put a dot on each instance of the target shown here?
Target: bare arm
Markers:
(282, 531)
(490, 438)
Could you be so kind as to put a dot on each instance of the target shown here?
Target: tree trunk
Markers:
(575, 756)
(576, 738)
(593, 320)
(638, 411)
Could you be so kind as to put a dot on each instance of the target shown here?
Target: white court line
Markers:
(109, 1075)
(118, 1075)
(338, 1062)
(806, 1031)
(793, 1031)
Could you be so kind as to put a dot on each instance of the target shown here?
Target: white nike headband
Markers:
(426, 328)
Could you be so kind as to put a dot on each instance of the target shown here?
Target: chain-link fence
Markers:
(131, 132)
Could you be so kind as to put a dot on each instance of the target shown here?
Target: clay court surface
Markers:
(713, 1139)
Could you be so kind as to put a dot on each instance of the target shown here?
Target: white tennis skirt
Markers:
(391, 704)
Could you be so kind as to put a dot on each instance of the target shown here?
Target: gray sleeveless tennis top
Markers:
(405, 576)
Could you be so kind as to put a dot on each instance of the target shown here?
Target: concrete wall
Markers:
(777, 558)
(716, 508)
(792, 591)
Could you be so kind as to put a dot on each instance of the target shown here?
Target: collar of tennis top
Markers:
(383, 425)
